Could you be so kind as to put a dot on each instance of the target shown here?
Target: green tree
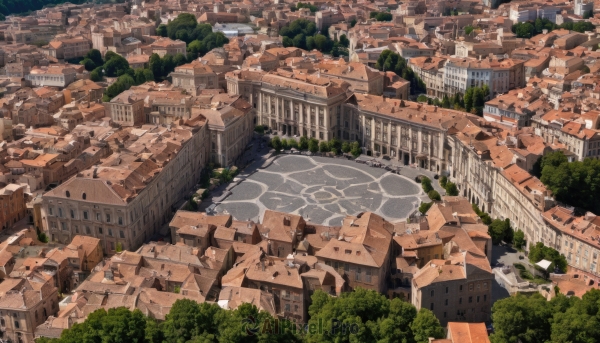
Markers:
(497, 230)
(422, 98)
(478, 100)
(303, 143)
(346, 147)
(426, 325)
(353, 22)
(276, 143)
(424, 207)
(313, 145)
(446, 102)
(344, 41)
(88, 64)
(355, 149)
(323, 147)
(426, 184)
(161, 30)
(443, 181)
(117, 65)
(451, 189)
(519, 239)
(95, 56)
(469, 29)
(434, 195)
(468, 99)
(540, 252)
(521, 319)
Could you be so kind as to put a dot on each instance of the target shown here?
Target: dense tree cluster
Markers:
(392, 61)
(300, 5)
(303, 34)
(533, 319)
(381, 16)
(334, 145)
(540, 252)
(574, 183)
(473, 101)
(199, 37)
(529, 29)
(371, 317)
(500, 230)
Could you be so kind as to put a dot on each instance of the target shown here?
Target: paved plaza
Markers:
(322, 190)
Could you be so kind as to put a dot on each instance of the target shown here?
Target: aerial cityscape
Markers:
(280, 171)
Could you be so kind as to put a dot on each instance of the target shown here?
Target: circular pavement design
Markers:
(322, 190)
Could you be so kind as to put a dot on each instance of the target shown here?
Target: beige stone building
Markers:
(231, 120)
(362, 252)
(25, 305)
(128, 197)
(126, 109)
(194, 76)
(292, 103)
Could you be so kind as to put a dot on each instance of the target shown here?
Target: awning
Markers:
(544, 264)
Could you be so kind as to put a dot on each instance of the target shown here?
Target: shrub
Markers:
(424, 207)
(276, 143)
(443, 181)
(346, 147)
(323, 146)
(303, 145)
(451, 189)
(426, 184)
(434, 195)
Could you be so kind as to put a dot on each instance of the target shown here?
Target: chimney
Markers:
(95, 172)
(262, 265)
(286, 221)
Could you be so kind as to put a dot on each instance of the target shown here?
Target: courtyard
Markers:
(322, 190)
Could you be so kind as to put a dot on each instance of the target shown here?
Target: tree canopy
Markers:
(529, 29)
(575, 183)
(381, 16)
(540, 252)
(533, 319)
(358, 316)
(392, 61)
(303, 34)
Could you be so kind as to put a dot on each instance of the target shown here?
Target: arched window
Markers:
(83, 196)
(68, 194)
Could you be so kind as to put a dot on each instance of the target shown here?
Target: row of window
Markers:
(73, 215)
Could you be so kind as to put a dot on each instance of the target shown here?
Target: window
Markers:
(287, 307)
(446, 302)
(478, 298)
(120, 220)
(346, 267)
(73, 214)
(444, 314)
(110, 232)
(85, 215)
(60, 213)
(63, 226)
(431, 306)
(470, 300)
(98, 217)
(357, 275)
(122, 234)
(460, 288)
(16, 324)
(51, 211)
(484, 297)
(99, 230)
(460, 300)
(432, 292)
(87, 230)
(108, 218)
(446, 290)
(368, 275)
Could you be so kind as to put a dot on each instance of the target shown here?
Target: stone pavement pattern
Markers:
(322, 190)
